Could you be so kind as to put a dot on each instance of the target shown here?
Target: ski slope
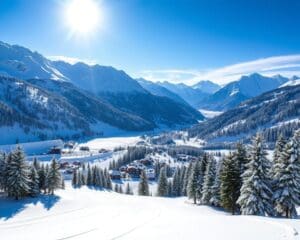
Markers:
(90, 214)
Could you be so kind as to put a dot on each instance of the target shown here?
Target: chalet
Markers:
(55, 150)
(150, 173)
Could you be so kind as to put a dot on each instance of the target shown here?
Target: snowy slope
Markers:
(91, 214)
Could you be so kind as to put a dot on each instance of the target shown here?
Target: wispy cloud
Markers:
(288, 65)
(71, 60)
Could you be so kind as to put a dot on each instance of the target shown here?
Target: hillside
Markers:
(273, 112)
(92, 214)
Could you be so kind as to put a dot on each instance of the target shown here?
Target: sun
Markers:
(82, 16)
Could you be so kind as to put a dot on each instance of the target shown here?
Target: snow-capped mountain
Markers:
(207, 86)
(100, 95)
(235, 92)
(20, 62)
(273, 112)
(191, 95)
(158, 90)
(295, 80)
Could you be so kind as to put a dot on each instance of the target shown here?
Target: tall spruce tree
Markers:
(256, 194)
(230, 183)
(143, 188)
(287, 190)
(215, 199)
(89, 178)
(176, 183)
(209, 180)
(42, 178)
(128, 190)
(279, 147)
(34, 189)
(53, 177)
(17, 174)
(195, 177)
(162, 185)
(3, 172)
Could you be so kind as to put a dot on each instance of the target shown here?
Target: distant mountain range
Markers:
(272, 113)
(245, 88)
(83, 99)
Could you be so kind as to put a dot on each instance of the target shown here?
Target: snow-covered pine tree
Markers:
(53, 177)
(128, 190)
(287, 189)
(108, 183)
(17, 174)
(240, 156)
(116, 188)
(209, 179)
(176, 183)
(256, 193)
(75, 178)
(34, 189)
(230, 183)
(89, 178)
(63, 186)
(186, 177)
(46, 180)
(279, 147)
(36, 164)
(215, 200)
(162, 185)
(193, 183)
(42, 178)
(143, 188)
(121, 189)
(79, 179)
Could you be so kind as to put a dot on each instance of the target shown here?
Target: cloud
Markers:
(71, 60)
(288, 65)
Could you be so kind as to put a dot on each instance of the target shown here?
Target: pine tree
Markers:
(63, 186)
(176, 184)
(230, 183)
(89, 178)
(128, 190)
(121, 189)
(209, 179)
(186, 178)
(286, 191)
(42, 178)
(75, 178)
(36, 164)
(116, 188)
(256, 194)
(17, 174)
(279, 147)
(53, 177)
(34, 189)
(193, 183)
(215, 200)
(143, 188)
(162, 186)
(108, 183)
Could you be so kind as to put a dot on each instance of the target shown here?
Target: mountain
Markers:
(20, 62)
(127, 95)
(158, 90)
(273, 112)
(191, 95)
(39, 109)
(103, 94)
(207, 86)
(235, 92)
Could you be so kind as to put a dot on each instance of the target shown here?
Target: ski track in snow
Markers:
(90, 214)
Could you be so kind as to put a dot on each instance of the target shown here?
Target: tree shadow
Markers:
(10, 207)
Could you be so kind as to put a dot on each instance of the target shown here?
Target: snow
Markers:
(209, 113)
(90, 214)
(110, 143)
(291, 83)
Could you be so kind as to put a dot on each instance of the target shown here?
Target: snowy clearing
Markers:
(210, 114)
(91, 214)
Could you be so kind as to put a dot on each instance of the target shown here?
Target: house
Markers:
(55, 150)
(84, 148)
(115, 174)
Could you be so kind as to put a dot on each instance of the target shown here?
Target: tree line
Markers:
(244, 182)
(20, 179)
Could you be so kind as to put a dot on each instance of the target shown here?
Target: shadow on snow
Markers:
(10, 207)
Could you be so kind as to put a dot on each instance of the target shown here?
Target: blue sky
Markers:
(176, 40)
